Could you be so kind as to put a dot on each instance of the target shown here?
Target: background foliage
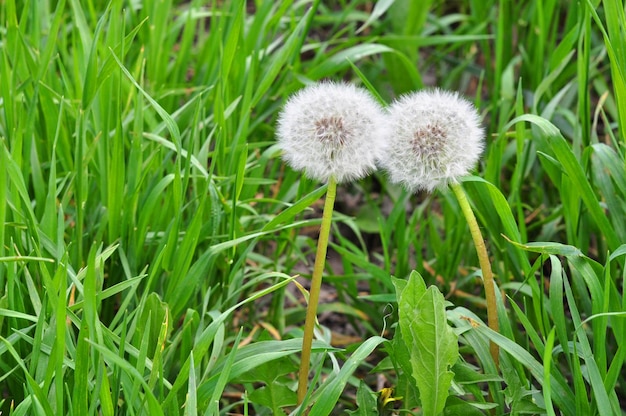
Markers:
(151, 236)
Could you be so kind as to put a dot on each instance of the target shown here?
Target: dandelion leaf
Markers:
(432, 344)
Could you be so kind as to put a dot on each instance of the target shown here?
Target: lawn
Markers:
(158, 243)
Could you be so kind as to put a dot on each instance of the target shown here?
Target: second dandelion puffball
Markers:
(331, 129)
(435, 137)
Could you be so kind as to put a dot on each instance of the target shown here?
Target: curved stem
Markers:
(485, 265)
(314, 292)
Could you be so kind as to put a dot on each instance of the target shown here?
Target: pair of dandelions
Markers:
(338, 133)
(424, 140)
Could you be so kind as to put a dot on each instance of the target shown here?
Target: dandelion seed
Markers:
(331, 129)
(435, 137)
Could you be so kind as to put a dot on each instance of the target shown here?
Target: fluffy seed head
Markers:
(331, 129)
(435, 137)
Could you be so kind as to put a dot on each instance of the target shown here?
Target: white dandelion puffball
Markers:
(332, 129)
(435, 137)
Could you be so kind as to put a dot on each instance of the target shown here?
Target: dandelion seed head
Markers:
(331, 129)
(435, 137)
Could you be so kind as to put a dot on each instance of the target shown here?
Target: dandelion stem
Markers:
(485, 265)
(314, 292)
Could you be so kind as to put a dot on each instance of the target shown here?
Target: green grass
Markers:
(151, 235)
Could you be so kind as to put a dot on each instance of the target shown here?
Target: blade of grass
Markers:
(547, 368)
(604, 405)
(327, 395)
(572, 168)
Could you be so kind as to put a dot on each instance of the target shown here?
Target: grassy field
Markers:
(155, 250)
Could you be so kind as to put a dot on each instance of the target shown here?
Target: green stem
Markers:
(485, 266)
(314, 292)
